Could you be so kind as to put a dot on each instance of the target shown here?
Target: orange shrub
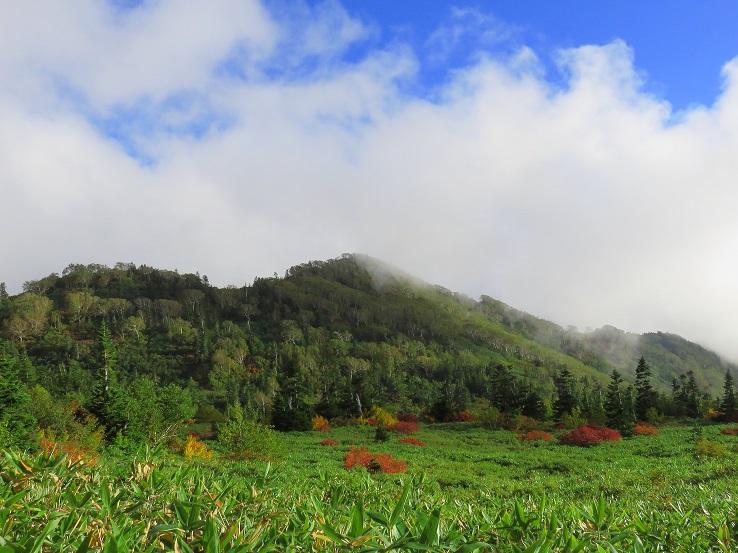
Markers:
(73, 449)
(320, 423)
(412, 441)
(729, 431)
(536, 435)
(645, 429)
(374, 462)
(329, 441)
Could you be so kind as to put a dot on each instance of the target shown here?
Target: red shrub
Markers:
(644, 429)
(412, 441)
(729, 431)
(374, 462)
(407, 417)
(586, 436)
(463, 416)
(404, 427)
(329, 441)
(536, 435)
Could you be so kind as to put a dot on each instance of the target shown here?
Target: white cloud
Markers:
(593, 204)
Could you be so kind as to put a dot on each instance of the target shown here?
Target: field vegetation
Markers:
(470, 489)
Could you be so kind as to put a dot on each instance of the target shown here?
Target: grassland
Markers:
(468, 489)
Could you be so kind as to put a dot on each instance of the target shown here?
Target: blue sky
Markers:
(679, 46)
(573, 159)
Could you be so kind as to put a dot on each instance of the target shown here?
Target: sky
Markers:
(574, 159)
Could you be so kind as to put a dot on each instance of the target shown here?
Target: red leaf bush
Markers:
(412, 441)
(329, 441)
(536, 435)
(463, 416)
(644, 429)
(407, 417)
(374, 462)
(586, 436)
(404, 427)
(729, 431)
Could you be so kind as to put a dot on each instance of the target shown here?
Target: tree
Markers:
(645, 394)
(617, 408)
(565, 400)
(16, 421)
(108, 402)
(729, 403)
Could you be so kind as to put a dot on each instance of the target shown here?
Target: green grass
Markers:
(469, 489)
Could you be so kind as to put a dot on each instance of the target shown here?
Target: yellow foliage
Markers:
(195, 449)
(319, 422)
(382, 417)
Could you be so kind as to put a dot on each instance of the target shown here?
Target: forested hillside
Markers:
(333, 338)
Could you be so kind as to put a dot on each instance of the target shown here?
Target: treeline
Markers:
(137, 350)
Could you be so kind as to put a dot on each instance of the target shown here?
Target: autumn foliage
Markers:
(329, 441)
(586, 436)
(412, 441)
(320, 423)
(195, 449)
(729, 431)
(407, 417)
(404, 427)
(644, 429)
(374, 462)
(536, 435)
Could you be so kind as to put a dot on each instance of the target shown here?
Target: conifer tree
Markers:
(16, 422)
(645, 395)
(565, 401)
(729, 403)
(107, 402)
(617, 408)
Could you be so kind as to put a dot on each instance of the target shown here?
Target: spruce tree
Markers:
(645, 395)
(16, 422)
(565, 400)
(108, 402)
(729, 403)
(617, 408)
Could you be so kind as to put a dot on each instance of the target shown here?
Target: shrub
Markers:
(241, 435)
(381, 434)
(195, 449)
(329, 441)
(377, 415)
(573, 419)
(463, 416)
(73, 449)
(729, 431)
(320, 423)
(645, 429)
(586, 436)
(705, 448)
(407, 417)
(412, 441)
(536, 435)
(404, 427)
(374, 462)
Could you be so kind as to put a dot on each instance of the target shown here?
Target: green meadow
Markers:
(468, 489)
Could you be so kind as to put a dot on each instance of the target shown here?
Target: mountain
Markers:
(331, 335)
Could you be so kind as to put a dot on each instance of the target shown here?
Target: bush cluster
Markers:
(329, 441)
(645, 429)
(586, 436)
(320, 423)
(195, 449)
(404, 427)
(374, 462)
(407, 417)
(536, 435)
(412, 441)
(729, 431)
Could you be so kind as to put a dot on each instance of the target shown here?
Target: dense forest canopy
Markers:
(331, 337)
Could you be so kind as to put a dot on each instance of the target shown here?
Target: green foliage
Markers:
(238, 434)
(16, 420)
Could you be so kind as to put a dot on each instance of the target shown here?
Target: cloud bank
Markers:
(237, 141)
